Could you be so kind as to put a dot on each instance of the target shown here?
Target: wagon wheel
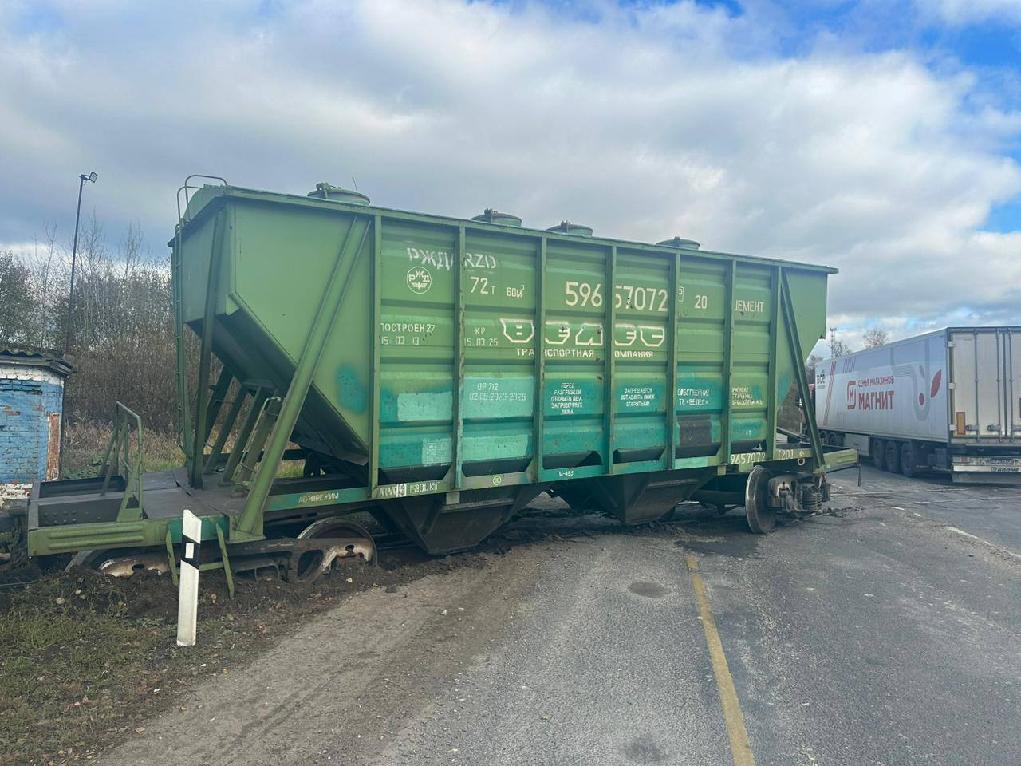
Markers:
(309, 564)
(761, 518)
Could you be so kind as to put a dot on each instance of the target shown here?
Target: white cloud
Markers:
(962, 12)
(643, 124)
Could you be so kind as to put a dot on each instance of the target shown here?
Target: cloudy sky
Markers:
(882, 137)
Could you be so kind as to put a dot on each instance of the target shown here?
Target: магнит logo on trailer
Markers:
(852, 391)
(933, 387)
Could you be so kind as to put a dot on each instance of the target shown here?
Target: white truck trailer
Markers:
(947, 401)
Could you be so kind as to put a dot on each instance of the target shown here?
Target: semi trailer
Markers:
(947, 401)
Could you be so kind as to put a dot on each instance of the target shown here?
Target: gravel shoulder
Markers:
(348, 677)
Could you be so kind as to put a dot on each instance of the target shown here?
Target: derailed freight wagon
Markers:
(440, 373)
(948, 401)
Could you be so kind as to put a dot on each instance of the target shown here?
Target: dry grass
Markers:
(86, 660)
(87, 441)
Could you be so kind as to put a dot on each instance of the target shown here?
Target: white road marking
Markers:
(986, 543)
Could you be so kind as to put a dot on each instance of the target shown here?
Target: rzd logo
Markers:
(419, 280)
(852, 397)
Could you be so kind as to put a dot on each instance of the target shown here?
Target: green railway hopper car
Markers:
(440, 373)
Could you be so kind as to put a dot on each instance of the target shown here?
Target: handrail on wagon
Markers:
(118, 460)
(185, 436)
(186, 186)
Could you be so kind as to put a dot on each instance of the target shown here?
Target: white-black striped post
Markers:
(188, 593)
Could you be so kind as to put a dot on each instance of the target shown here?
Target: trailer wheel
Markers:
(908, 459)
(761, 518)
(879, 454)
(892, 457)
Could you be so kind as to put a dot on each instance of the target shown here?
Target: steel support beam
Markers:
(184, 412)
(216, 400)
(538, 412)
(775, 397)
(794, 343)
(254, 451)
(671, 373)
(457, 432)
(206, 353)
(241, 443)
(609, 360)
(728, 360)
(250, 521)
(225, 429)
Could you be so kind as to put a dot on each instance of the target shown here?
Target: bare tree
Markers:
(876, 337)
(837, 346)
(50, 277)
(15, 299)
(123, 329)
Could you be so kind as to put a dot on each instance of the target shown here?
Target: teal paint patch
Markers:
(640, 433)
(748, 391)
(498, 397)
(408, 405)
(747, 428)
(639, 398)
(697, 393)
(691, 462)
(352, 392)
(436, 451)
(749, 396)
(499, 447)
(571, 438)
(399, 450)
(424, 406)
(577, 396)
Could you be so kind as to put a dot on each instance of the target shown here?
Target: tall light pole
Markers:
(91, 177)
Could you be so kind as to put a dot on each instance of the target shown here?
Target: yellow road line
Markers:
(740, 748)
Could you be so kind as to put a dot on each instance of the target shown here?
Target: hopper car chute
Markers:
(440, 373)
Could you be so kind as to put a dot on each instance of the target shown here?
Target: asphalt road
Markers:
(992, 513)
(886, 633)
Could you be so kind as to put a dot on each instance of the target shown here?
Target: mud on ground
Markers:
(86, 659)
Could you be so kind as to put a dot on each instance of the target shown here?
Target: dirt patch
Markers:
(86, 659)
